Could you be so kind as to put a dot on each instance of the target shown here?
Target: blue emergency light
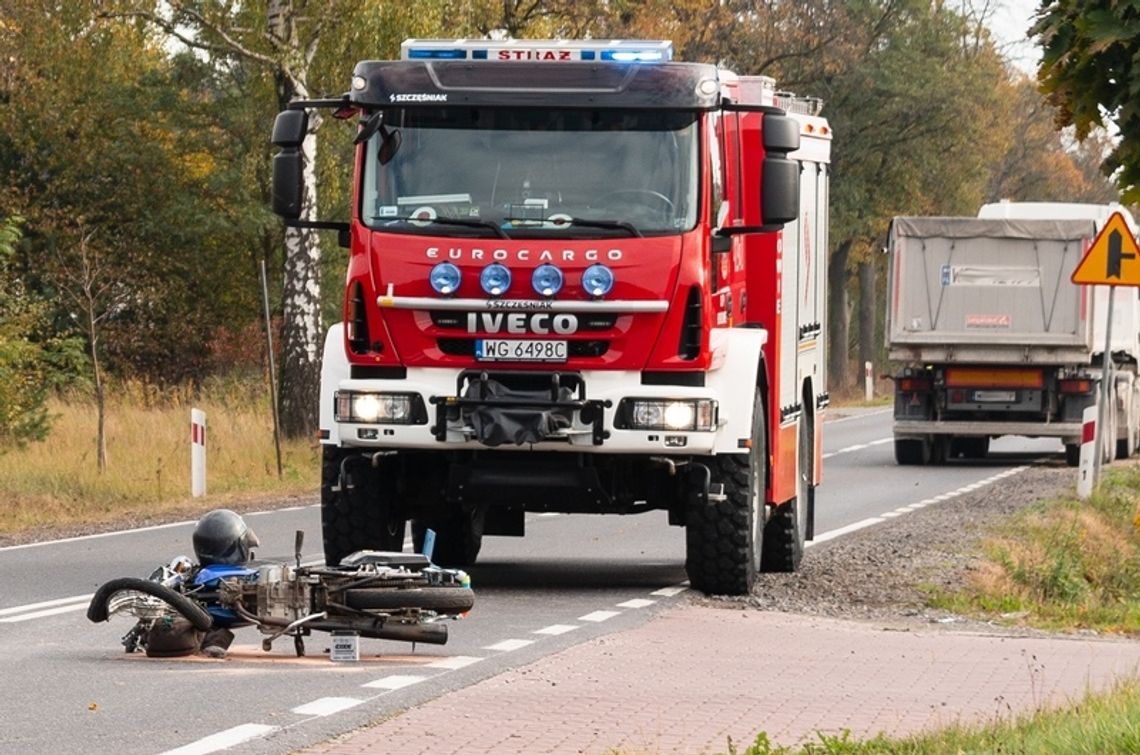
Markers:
(539, 50)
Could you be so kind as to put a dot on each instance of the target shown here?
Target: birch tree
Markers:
(282, 40)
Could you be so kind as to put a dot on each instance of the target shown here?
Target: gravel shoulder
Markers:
(878, 573)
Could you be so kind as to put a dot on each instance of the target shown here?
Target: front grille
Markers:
(465, 347)
(458, 321)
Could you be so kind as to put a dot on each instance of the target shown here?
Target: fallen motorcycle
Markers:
(376, 594)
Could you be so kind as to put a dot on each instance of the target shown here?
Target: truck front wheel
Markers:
(458, 538)
(724, 538)
(358, 506)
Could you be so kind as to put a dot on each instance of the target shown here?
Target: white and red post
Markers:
(197, 453)
(1086, 474)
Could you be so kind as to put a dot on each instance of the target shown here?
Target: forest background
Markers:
(134, 184)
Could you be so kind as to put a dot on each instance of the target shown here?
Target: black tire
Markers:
(786, 528)
(977, 447)
(724, 540)
(912, 452)
(449, 600)
(362, 514)
(98, 610)
(458, 539)
(1073, 454)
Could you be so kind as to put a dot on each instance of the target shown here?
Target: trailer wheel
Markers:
(1073, 454)
(358, 512)
(912, 451)
(458, 539)
(784, 533)
(970, 447)
(724, 539)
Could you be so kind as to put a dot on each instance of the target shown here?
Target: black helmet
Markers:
(222, 537)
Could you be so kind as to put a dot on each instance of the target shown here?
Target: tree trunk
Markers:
(839, 316)
(867, 311)
(301, 315)
(300, 383)
(100, 391)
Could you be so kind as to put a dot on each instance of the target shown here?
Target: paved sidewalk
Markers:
(694, 676)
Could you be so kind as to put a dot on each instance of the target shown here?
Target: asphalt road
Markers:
(70, 688)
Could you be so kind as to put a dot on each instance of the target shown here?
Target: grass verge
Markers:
(1063, 564)
(1101, 724)
(56, 483)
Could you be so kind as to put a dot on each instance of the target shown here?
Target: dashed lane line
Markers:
(395, 681)
(326, 706)
(224, 739)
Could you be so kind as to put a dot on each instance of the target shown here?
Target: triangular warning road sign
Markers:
(1113, 259)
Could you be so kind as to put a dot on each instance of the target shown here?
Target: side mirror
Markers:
(290, 127)
(289, 131)
(780, 191)
(780, 182)
(288, 184)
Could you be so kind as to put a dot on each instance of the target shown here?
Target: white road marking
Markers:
(668, 592)
(863, 523)
(508, 645)
(599, 616)
(636, 603)
(861, 415)
(223, 739)
(556, 629)
(394, 682)
(858, 447)
(326, 706)
(454, 662)
(41, 614)
(44, 604)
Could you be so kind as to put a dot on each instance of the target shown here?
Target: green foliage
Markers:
(23, 365)
(1088, 70)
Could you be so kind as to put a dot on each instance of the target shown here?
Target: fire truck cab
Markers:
(584, 278)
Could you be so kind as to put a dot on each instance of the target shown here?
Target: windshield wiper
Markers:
(465, 222)
(616, 225)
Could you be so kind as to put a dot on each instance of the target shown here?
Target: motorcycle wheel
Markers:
(100, 608)
(448, 600)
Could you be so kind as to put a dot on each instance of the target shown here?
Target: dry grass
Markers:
(56, 482)
(1065, 563)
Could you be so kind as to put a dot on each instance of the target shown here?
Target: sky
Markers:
(1011, 19)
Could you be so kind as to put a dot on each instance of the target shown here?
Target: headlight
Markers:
(444, 278)
(495, 279)
(668, 414)
(376, 408)
(598, 280)
(547, 280)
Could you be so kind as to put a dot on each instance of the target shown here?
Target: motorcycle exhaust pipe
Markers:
(429, 634)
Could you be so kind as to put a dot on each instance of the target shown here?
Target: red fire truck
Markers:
(584, 278)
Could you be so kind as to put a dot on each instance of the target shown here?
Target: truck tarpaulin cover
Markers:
(987, 228)
(985, 289)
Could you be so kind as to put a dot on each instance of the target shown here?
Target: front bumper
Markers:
(572, 411)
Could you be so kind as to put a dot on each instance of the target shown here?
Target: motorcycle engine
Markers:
(280, 595)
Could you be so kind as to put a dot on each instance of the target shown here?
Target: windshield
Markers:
(531, 172)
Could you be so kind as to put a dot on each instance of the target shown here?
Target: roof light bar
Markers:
(539, 50)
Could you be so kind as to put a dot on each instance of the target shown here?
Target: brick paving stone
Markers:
(694, 676)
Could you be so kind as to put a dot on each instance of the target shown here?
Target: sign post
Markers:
(197, 453)
(1112, 260)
